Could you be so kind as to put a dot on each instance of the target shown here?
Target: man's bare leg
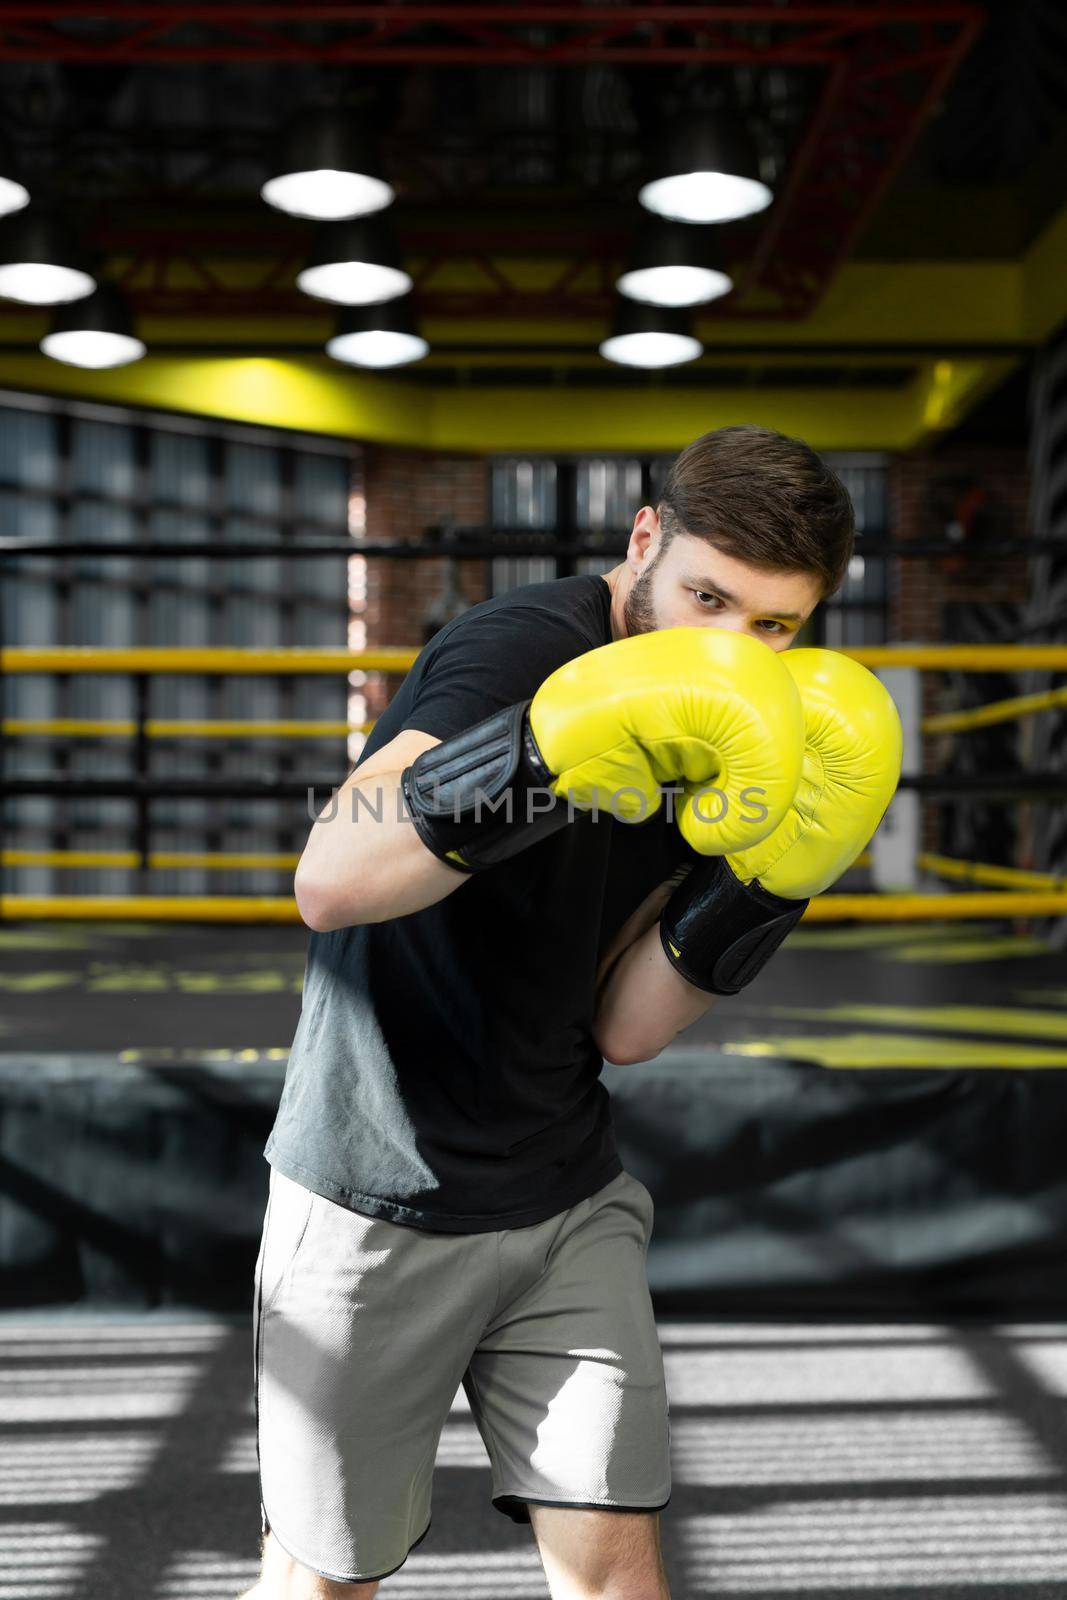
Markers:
(600, 1555)
(282, 1578)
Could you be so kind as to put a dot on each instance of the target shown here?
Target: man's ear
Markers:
(644, 539)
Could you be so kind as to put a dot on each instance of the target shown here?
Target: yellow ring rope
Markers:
(162, 728)
(266, 908)
(164, 659)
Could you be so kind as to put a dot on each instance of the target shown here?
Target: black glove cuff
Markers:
(483, 795)
(718, 932)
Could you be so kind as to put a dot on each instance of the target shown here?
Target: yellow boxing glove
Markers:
(728, 916)
(610, 730)
(853, 745)
(699, 708)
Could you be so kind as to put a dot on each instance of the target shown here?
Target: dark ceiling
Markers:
(990, 168)
(136, 127)
(939, 137)
(174, 127)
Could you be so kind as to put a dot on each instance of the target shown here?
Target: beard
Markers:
(638, 611)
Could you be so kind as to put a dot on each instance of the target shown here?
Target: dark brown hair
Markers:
(764, 498)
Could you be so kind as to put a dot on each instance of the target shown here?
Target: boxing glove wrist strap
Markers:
(483, 795)
(718, 932)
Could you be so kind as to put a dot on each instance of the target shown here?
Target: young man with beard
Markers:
(447, 1204)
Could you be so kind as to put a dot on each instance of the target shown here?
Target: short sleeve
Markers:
(486, 662)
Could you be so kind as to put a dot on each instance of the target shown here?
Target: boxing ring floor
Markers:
(876, 1457)
(964, 994)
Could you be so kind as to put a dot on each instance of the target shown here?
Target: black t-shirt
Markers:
(443, 1072)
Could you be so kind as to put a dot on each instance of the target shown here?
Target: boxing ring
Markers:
(854, 1134)
(1027, 894)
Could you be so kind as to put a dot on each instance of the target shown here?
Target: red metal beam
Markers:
(387, 31)
(874, 104)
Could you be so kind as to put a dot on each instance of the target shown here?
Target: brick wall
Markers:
(408, 491)
(923, 487)
(943, 600)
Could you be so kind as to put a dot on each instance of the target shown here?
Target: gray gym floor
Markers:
(846, 1460)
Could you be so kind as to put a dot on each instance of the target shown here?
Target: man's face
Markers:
(690, 584)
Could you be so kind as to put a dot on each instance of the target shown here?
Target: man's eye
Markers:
(704, 595)
(772, 627)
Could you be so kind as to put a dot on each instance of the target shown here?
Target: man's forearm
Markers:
(364, 861)
(643, 1003)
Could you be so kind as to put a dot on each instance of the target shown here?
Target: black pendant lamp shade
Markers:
(378, 336)
(673, 264)
(707, 170)
(328, 169)
(14, 195)
(354, 263)
(96, 332)
(40, 264)
(650, 336)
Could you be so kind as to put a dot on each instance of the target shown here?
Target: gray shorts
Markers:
(364, 1330)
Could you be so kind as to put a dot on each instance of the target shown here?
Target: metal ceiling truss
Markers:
(399, 33)
(880, 70)
(169, 272)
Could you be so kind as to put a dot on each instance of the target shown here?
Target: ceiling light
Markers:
(650, 336)
(707, 171)
(13, 194)
(39, 265)
(377, 336)
(354, 264)
(96, 332)
(327, 171)
(668, 266)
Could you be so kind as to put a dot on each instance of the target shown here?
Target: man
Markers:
(447, 1203)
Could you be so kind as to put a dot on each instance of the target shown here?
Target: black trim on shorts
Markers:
(338, 1577)
(257, 1361)
(515, 1505)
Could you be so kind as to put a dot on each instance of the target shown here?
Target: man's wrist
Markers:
(718, 932)
(483, 795)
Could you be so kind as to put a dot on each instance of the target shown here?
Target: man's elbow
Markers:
(318, 903)
(623, 1050)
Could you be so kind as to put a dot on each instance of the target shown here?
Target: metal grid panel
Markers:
(609, 490)
(859, 613)
(96, 473)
